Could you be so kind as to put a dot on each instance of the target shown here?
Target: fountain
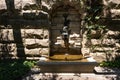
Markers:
(65, 35)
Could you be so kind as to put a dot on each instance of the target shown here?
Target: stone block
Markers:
(106, 70)
(115, 13)
(112, 3)
(35, 33)
(36, 43)
(85, 52)
(7, 47)
(37, 51)
(104, 49)
(3, 5)
(113, 34)
(6, 35)
(104, 41)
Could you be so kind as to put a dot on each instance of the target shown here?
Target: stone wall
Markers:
(34, 42)
(108, 46)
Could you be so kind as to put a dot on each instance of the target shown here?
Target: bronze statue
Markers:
(66, 31)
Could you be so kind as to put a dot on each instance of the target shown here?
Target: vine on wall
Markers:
(94, 10)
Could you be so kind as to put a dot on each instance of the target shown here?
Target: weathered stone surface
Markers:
(6, 35)
(37, 51)
(85, 52)
(33, 39)
(99, 56)
(108, 2)
(33, 52)
(112, 8)
(106, 70)
(104, 41)
(117, 45)
(44, 51)
(113, 34)
(2, 4)
(35, 33)
(17, 3)
(115, 13)
(103, 49)
(33, 15)
(7, 47)
(104, 56)
(36, 43)
(110, 32)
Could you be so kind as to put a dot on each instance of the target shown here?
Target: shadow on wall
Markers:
(5, 42)
(10, 5)
(11, 47)
(18, 40)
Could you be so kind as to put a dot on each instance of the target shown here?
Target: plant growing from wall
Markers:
(95, 27)
(94, 10)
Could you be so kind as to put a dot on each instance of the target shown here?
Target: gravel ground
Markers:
(35, 74)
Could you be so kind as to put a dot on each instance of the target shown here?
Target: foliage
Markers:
(94, 10)
(95, 27)
(14, 69)
(113, 64)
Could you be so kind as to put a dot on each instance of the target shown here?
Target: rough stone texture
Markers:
(114, 8)
(85, 52)
(2, 5)
(7, 47)
(115, 13)
(37, 51)
(6, 35)
(70, 76)
(106, 70)
(111, 2)
(107, 48)
(34, 42)
(18, 3)
(104, 41)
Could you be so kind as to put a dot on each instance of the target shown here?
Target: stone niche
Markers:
(57, 24)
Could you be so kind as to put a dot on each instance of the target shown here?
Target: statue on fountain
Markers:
(66, 31)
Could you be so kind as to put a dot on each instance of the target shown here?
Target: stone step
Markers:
(67, 66)
(106, 70)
